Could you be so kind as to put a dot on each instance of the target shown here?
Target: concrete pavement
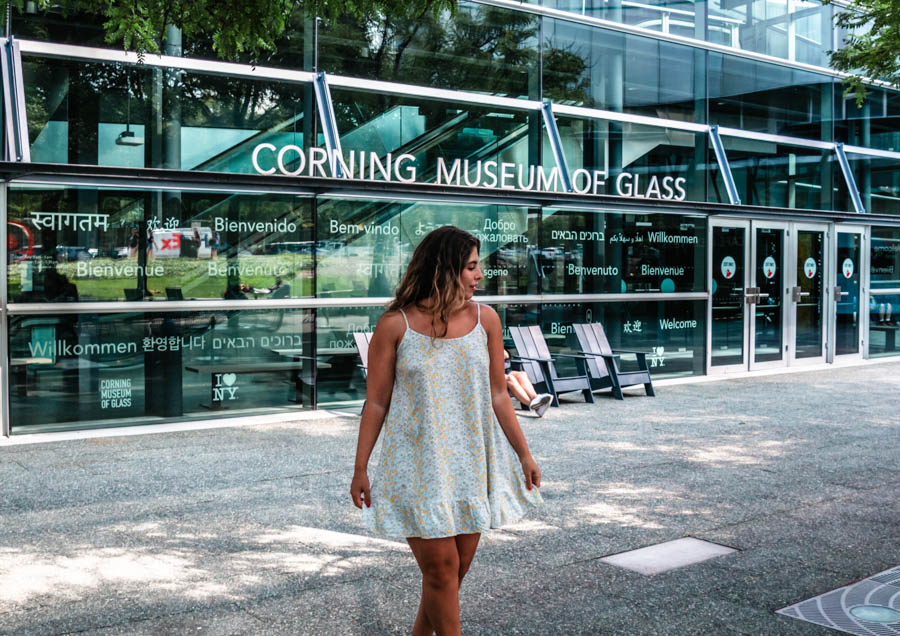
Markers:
(250, 530)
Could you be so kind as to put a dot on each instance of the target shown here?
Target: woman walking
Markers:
(448, 468)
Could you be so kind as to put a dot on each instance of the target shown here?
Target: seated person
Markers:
(521, 388)
(884, 310)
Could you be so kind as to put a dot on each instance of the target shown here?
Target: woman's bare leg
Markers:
(516, 389)
(466, 544)
(522, 378)
(438, 560)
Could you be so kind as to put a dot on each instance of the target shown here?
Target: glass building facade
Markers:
(187, 238)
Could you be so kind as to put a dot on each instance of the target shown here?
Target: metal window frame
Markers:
(556, 145)
(849, 178)
(329, 125)
(608, 115)
(5, 379)
(172, 306)
(16, 125)
(724, 167)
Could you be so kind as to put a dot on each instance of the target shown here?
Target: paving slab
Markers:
(249, 530)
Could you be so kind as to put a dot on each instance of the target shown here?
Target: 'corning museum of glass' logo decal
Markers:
(293, 161)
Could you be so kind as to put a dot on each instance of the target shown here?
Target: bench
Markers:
(19, 368)
(890, 335)
(224, 375)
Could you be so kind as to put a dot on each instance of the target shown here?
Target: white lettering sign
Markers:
(292, 161)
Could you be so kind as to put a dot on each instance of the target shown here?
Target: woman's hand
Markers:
(359, 489)
(532, 472)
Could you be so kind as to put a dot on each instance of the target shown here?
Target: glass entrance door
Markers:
(846, 295)
(808, 294)
(730, 279)
(767, 295)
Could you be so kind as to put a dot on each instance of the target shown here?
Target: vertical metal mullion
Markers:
(18, 94)
(5, 379)
(849, 178)
(724, 167)
(10, 151)
(556, 145)
(329, 124)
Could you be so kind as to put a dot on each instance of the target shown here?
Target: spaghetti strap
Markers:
(479, 313)
(404, 318)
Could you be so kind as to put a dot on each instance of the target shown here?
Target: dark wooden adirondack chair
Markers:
(535, 359)
(600, 362)
(362, 340)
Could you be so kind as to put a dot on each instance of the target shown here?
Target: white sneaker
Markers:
(541, 403)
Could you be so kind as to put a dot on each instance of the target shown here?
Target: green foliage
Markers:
(871, 47)
(239, 28)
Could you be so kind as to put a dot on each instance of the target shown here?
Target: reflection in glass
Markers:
(728, 296)
(89, 370)
(766, 97)
(768, 324)
(878, 181)
(884, 324)
(389, 126)
(876, 124)
(593, 67)
(669, 164)
(87, 244)
(477, 48)
(771, 174)
(808, 307)
(885, 265)
(672, 333)
(590, 251)
(800, 30)
(364, 245)
(340, 380)
(134, 116)
(847, 303)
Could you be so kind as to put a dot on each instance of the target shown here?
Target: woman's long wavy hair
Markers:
(431, 281)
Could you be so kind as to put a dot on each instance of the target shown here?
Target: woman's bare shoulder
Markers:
(489, 317)
(391, 324)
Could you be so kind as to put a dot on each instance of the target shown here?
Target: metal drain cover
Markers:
(870, 607)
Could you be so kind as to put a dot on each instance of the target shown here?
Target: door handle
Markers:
(796, 294)
(838, 293)
(751, 295)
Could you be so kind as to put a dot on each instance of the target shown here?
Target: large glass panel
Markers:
(90, 370)
(340, 380)
(102, 244)
(397, 138)
(658, 163)
(878, 181)
(795, 30)
(671, 332)
(139, 117)
(875, 124)
(776, 175)
(884, 325)
(728, 273)
(68, 26)
(589, 251)
(808, 303)
(847, 300)
(885, 272)
(595, 67)
(769, 98)
(364, 245)
(769, 319)
(479, 48)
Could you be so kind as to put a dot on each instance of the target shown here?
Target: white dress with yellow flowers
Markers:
(446, 467)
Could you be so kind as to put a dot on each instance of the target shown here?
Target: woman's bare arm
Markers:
(503, 407)
(380, 384)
